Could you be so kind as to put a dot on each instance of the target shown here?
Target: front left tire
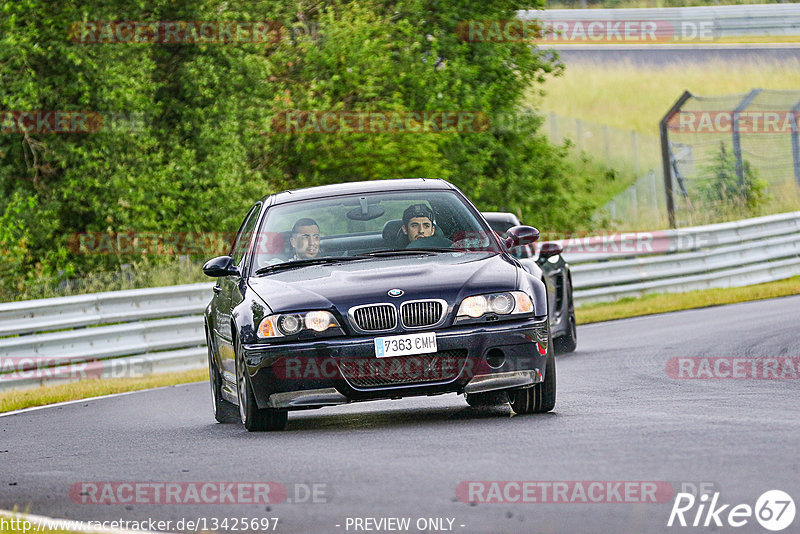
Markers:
(541, 397)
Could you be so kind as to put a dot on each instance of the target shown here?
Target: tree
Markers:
(205, 146)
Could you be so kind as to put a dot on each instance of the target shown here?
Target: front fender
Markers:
(537, 289)
(247, 315)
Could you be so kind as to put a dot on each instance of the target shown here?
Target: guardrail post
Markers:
(796, 142)
(651, 178)
(665, 155)
(737, 142)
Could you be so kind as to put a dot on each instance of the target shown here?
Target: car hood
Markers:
(448, 276)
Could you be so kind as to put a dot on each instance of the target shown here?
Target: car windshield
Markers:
(370, 225)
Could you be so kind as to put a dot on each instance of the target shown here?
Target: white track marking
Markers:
(76, 401)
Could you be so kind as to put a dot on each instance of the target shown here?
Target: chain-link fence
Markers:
(636, 159)
(733, 156)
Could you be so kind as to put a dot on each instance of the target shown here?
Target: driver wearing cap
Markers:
(418, 223)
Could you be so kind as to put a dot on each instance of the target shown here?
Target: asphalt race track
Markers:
(682, 54)
(619, 417)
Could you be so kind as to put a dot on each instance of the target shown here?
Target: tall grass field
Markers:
(634, 97)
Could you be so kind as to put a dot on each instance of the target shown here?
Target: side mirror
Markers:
(549, 249)
(220, 266)
(521, 235)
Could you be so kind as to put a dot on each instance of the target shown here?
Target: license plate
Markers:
(422, 343)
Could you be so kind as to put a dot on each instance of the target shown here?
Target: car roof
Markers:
(501, 216)
(349, 188)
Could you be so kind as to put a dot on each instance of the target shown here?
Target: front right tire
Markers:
(253, 418)
(224, 411)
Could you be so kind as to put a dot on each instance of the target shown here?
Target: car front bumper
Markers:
(470, 358)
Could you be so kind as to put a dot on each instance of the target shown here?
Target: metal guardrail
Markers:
(110, 335)
(685, 239)
(101, 308)
(139, 332)
(720, 21)
(732, 254)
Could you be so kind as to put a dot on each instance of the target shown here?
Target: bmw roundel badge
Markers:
(395, 292)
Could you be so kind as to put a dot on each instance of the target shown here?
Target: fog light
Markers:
(495, 358)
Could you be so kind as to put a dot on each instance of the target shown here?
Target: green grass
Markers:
(621, 98)
(668, 302)
(26, 398)
(636, 97)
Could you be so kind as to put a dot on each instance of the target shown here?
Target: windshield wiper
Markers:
(304, 263)
(408, 251)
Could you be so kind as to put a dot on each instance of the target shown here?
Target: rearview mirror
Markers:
(220, 266)
(521, 235)
(365, 213)
(549, 249)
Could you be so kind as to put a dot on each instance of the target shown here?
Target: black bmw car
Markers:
(374, 290)
(550, 266)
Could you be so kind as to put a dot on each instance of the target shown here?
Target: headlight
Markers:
(509, 303)
(289, 324)
(473, 306)
(319, 321)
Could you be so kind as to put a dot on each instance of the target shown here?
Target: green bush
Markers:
(724, 191)
(204, 147)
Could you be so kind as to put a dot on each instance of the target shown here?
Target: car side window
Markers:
(242, 242)
(523, 252)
